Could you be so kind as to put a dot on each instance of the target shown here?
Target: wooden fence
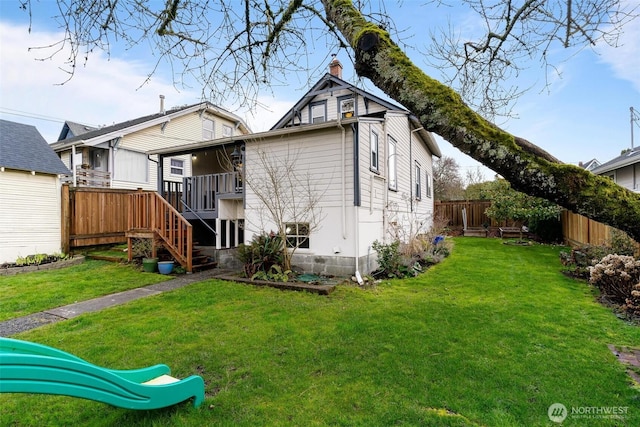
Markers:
(576, 229)
(580, 230)
(452, 210)
(93, 216)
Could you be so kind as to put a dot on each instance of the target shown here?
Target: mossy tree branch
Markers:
(527, 167)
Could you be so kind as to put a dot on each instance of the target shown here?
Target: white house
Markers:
(368, 161)
(623, 170)
(116, 156)
(30, 211)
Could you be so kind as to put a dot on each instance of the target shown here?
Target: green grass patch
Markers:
(492, 336)
(29, 293)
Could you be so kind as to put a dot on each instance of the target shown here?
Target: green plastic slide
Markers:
(27, 367)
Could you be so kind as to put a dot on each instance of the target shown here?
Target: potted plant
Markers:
(144, 248)
(149, 264)
(165, 267)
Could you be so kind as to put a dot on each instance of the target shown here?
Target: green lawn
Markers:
(30, 293)
(492, 336)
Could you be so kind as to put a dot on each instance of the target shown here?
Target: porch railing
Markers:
(201, 192)
(148, 212)
(92, 178)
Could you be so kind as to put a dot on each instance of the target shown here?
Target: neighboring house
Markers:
(590, 165)
(30, 210)
(116, 156)
(370, 160)
(624, 170)
(72, 129)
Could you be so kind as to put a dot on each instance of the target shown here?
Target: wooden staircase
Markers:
(152, 217)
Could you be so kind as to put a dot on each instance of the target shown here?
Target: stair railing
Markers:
(149, 211)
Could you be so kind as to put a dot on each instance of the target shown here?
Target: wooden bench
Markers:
(511, 232)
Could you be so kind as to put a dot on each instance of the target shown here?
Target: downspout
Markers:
(343, 183)
(385, 200)
(356, 205)
(73, 165)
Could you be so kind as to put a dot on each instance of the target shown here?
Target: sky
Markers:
(585, 114)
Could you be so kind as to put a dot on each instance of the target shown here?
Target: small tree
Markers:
(508, 204)
(286, 194)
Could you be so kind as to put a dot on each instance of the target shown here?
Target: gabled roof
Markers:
(329, 83)
(71, 129)
(625, 159)
(23, 148)
(108, 133)
(590, 165)
(326, 84)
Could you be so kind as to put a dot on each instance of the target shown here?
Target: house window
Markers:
(427, 184)
(418, 184)
(208, 129)
(375, 152)
(227, 130)
(318, 112)
(297, 235)
(347, 108)
(177, 167)
(393, 169)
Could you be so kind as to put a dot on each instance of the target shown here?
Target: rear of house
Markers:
(364, 163)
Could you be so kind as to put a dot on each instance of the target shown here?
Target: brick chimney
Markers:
(335, 67)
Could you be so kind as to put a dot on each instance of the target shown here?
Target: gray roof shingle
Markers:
(23, 148)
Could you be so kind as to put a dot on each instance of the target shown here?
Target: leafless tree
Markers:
(512, 34)
(447, 182)
(236, 47)
(287, 197)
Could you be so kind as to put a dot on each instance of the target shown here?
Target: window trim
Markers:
(374, 151)
(392, 162)
(341, 100)
(418, 181)
(322, 104)
(176, 167)
(227, 130)
(212, 130)
(302, 240)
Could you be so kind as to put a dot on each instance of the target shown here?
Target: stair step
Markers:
(206, 266)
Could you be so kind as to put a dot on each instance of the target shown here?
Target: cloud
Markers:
(103, 91)
(624, 59)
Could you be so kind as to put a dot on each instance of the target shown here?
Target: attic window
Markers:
(208, 129)
(347, 107)
(318, 112)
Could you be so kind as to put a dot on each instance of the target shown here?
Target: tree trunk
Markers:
(527, 167)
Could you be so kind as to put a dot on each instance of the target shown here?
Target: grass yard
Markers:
(492, 336)
(30, 293)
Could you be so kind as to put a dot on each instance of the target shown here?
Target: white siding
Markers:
(29, 215)
(319, 156)
(625, 177)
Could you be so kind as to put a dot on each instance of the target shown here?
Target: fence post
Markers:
(65, 218)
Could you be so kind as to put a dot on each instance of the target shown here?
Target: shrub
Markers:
(389, 259)
(633, 302)
(264, 252)
(615, 276)
(621, 244)
(580, 259)
(398, 260)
